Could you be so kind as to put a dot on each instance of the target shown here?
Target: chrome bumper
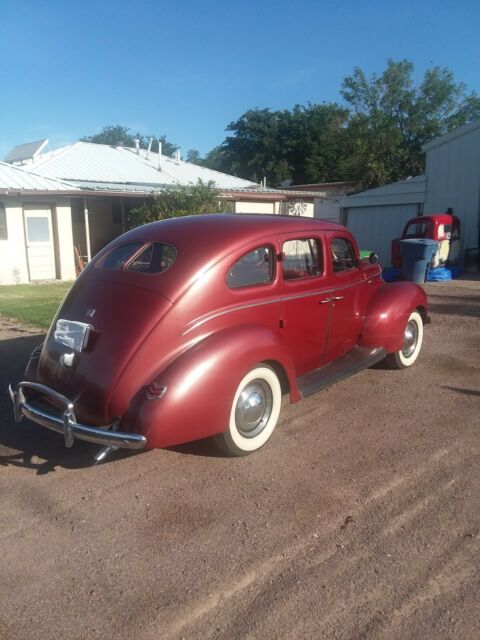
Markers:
(66, 424)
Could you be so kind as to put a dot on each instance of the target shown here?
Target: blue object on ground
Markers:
(416, 256)
(441, 274)
(391, 274)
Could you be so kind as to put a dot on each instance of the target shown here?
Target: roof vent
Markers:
(149, 147)
(159, 167)
(137, 144)
(177, 156)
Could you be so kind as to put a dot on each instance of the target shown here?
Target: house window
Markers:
(3, 223)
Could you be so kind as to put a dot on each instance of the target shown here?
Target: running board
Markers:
(354, 361)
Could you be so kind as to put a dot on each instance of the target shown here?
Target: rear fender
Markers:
(387, 314)
(199, 386)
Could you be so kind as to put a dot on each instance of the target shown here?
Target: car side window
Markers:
(302, 259)
(343, 255)
(253, 268)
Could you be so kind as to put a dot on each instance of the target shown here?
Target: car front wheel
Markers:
(412, 343)
(254, 413)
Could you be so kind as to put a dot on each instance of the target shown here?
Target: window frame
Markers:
(143, 245)
(320, 257)
(3, 224)
(356, 264)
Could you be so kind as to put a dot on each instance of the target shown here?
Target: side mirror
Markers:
(373, 258)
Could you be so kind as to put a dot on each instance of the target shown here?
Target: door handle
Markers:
(325, 301)
(338, 297)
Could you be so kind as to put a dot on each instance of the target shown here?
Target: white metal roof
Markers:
(456, 133)
(85, 163)
(14, 178)
(409, 191)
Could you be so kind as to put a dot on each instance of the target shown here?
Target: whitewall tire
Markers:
(412, 344)
(254, 413)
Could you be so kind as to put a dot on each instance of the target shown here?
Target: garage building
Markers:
(452, 179)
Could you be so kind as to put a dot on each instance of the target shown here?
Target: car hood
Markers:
(121, 316)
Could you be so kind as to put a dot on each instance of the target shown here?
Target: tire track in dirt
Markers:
(253, 581)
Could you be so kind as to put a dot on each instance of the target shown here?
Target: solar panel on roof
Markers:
(26, 151)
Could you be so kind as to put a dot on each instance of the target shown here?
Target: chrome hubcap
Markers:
(410, 339)
(254, 408)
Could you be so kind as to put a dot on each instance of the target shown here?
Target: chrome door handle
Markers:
(325, 301)
(338, 297)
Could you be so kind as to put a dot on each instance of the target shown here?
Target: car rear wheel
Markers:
(412, 344)
(254, 413)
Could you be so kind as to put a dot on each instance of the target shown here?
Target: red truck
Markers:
(442, 227)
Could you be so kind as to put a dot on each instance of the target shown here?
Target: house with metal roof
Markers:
(84, 192)
(36, 241)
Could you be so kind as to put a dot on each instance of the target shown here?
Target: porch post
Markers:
(122, 209)
(87, 229)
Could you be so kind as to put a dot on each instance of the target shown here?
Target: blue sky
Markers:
(187, 68)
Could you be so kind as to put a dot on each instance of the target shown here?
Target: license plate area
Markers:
(72, 334)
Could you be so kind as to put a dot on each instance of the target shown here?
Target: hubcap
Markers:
(410, 339)
(254, 408)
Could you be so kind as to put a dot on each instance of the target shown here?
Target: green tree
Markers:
(301, 145)
(392, 117)
(119, 135)
(194, 157)
(179, 201)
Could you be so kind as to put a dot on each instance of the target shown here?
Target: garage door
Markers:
(376, 227)
(40, 247)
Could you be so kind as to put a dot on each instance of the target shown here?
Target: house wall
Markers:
(13, 251)
(271, 207)
(102, 227)
(453, 180)
(327, 210)
(255, 207)
(65, 241)
(13, 257)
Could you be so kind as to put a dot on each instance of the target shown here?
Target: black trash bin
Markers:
(417, 253)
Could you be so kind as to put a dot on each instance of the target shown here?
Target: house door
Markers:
(40, 246)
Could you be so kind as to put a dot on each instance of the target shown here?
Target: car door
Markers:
(346, 292)
(305, 305)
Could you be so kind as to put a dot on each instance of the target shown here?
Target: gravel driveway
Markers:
(360, 519)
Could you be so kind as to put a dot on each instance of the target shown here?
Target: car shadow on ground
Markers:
(26, 444)
(454, 305)
(32, 447)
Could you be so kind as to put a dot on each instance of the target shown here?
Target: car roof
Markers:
(202, 240)
(233, 224)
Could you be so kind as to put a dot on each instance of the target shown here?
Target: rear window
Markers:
(416, 230)
(154, 257)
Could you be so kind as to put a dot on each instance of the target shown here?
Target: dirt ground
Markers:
(360, 519)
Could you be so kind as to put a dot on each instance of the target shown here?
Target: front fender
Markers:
(387, 314)
(201, 384)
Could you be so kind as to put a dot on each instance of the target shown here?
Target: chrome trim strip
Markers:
(67, 424)
(249, 305)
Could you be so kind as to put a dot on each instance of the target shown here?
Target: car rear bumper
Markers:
(66, 423)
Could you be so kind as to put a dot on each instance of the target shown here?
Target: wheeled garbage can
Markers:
(416, 257)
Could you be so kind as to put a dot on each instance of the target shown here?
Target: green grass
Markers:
(33, 304)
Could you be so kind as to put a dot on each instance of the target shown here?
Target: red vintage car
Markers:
(196, 326)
